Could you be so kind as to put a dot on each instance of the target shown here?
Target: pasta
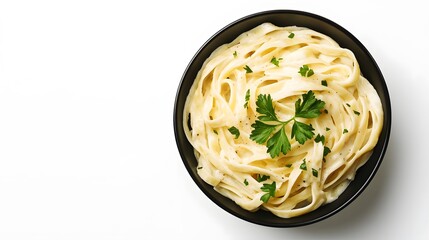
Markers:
(267, 60)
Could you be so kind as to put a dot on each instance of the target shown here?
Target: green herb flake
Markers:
(345, 130)
(324, 83)
(303, 165)
(246, 182)
(291, 35)
(356, 112)
(248, 69)
(289, 165)
(234, 131)
(315, 172)
(326, 151)
(215, 132)
(261, 178)
(276, 61)
(305, 71)
(235, 54)
(270, 190)
(320, 138)
(348, 105)
(327, 129)
(246, 98)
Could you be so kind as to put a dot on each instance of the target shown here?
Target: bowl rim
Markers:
(383, 142)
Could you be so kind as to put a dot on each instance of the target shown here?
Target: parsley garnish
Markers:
(235, 54)
(320, 138)
(345, 130)
(289, 165)
(261, 178)
(215, 132)
(303, 165)
(246, 182)
(326, 151)
(276, 61)
(324, 83)
(248, 69)
(356, 112)
(246, 98)
(270, 190)
(305, 71)
(268, 123)
(234, 131)
(291, 35)
(327, 129)
(315, 172)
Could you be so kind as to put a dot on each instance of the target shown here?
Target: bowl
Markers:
(369, 69)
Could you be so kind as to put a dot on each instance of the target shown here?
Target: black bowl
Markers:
(369, 69)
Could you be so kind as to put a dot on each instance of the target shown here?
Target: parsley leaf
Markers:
(276, 61)
(234, 131)
(279, 143)
(291, 35)
(246, 182)
(261, 132)
(264, 106)
(248, 69)
(235, 54)
(246, 98)
(268, 128)
(302, 132)
(270, 190)
(310, 107)
(305, 71)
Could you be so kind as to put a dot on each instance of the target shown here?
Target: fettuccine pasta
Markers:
(267, 60)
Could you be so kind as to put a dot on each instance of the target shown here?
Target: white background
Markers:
(87, 149)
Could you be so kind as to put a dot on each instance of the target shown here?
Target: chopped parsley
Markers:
(320, 138)
(326, 151)
(261, 178)
(291, 35)
(246, 182)
(248, 69)
(345, 130)
(234, 131)
(276, 61)
(305, 71)
(356, 112)
(315, 172)
(235, 54)
(324, 83)
(270, 190)
(246, 98)
(303, 165)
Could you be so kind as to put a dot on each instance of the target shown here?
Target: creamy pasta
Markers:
(267, 60)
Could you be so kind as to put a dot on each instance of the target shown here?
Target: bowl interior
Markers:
(369, 69)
